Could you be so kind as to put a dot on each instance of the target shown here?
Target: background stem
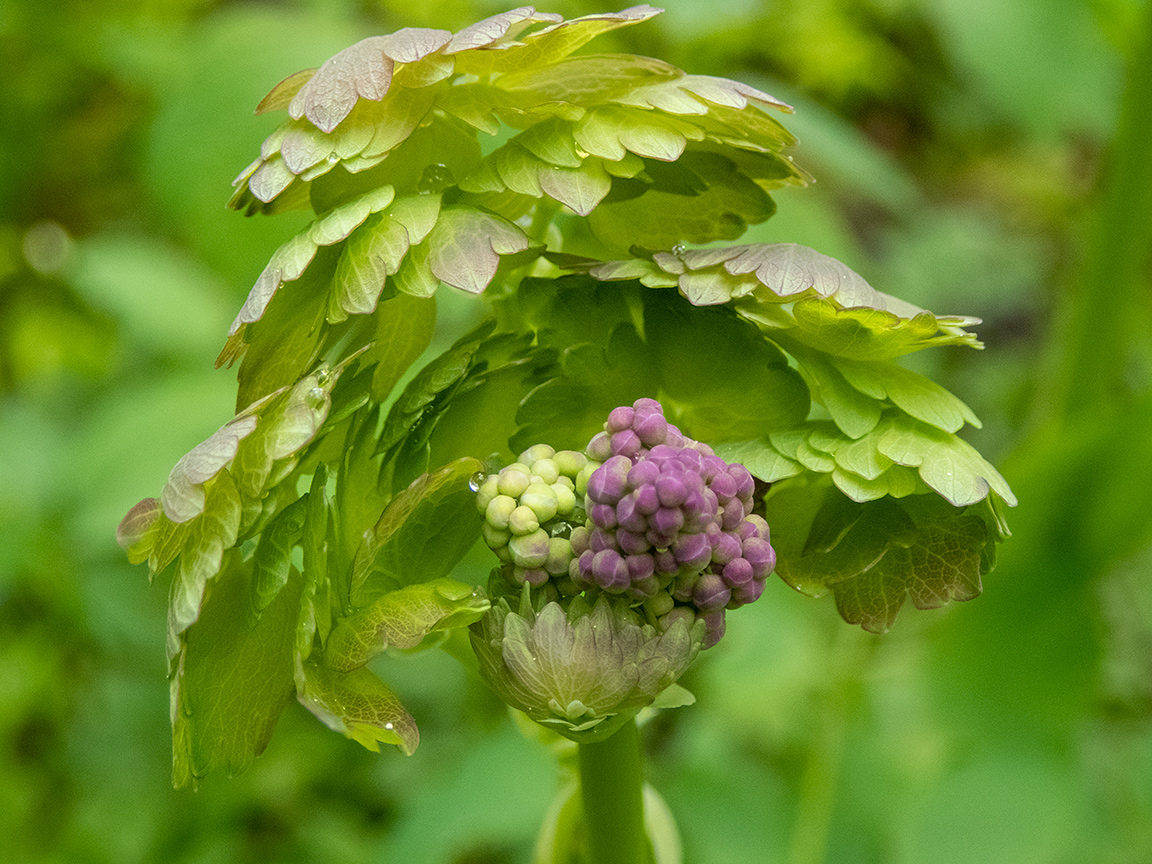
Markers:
(611, 788)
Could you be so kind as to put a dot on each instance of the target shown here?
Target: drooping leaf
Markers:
(358, 705)
(232, 680)
(401, 619)
(201, 554)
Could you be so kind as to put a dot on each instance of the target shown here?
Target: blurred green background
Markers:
(973, 156)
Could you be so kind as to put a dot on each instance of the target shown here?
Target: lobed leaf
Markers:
(358, 705)
(232, 679)
(402, 619)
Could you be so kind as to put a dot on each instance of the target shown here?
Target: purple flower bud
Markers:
(745, 482)
(691, 460)
(631, 542)
(738, 571)
(667, 520)
(599, 540)
(760, 556)
(662, 452)
(610, 571)
(660, 539)
(641, 566)
(672, 491)
(651, 427)
(647, 501)
(647, 405)
(724, 486)
(711, 592)
(666, 563)
(626, 443)
(733, 515)
(534, 577)
(604, 515)
(749, 592)
(692, 551)
(599, 448)
(754, 526)
(628, 517)
(714, 627)
(674, 437)
(608, 482)
(726, 547)
(619, 420)
(643, 473)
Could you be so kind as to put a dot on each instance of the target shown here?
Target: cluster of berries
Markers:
(645, 513)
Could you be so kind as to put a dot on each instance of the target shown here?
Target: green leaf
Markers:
(946, 463)
(921, 397)
(272, 559)
(358, 705)
(698, 199)
(466, 244)
(184, 497)
(201, 553)
(763, 460)
(726, 381)
(425, 530)
(138, 530)
(404, 327)
(401, 619)
(232, 680)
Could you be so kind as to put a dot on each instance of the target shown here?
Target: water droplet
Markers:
(315, 398)
(389, 726)
(435, 178)
(333, 159)
(679, 249)
(477, 481)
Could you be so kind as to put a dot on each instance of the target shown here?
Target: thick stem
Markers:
(611, 789)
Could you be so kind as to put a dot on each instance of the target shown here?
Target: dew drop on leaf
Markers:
(315, 398)
(435, 178)
(679, 249)
(477, 481)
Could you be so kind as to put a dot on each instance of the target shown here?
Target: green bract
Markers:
(583, 671)
(326, 522)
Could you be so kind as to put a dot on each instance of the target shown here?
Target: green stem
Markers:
(611, 788)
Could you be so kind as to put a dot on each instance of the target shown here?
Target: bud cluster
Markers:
(647, 515)
(529, 510)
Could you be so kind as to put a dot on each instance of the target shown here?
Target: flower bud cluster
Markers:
(529, 508)
(670, 524)
(645, 514)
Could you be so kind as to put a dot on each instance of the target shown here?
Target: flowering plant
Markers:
(583, 197)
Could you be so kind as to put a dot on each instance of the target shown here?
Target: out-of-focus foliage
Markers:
(957, 149)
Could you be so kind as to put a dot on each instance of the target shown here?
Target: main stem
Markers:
(612, 792)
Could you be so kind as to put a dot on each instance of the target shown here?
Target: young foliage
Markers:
(323, 524)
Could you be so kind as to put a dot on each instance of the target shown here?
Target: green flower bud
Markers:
(487, 491)
(495, 537)
(523, 520)
(498, 511)
(559, 555)
(569, 462)
(565, 497)
(546, 470)
(583, 672)
(530, 551)
(535, 453)
(582, 477)
(542, 500)
(513, 479)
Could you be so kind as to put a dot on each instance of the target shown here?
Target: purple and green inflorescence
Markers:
(646, 527)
